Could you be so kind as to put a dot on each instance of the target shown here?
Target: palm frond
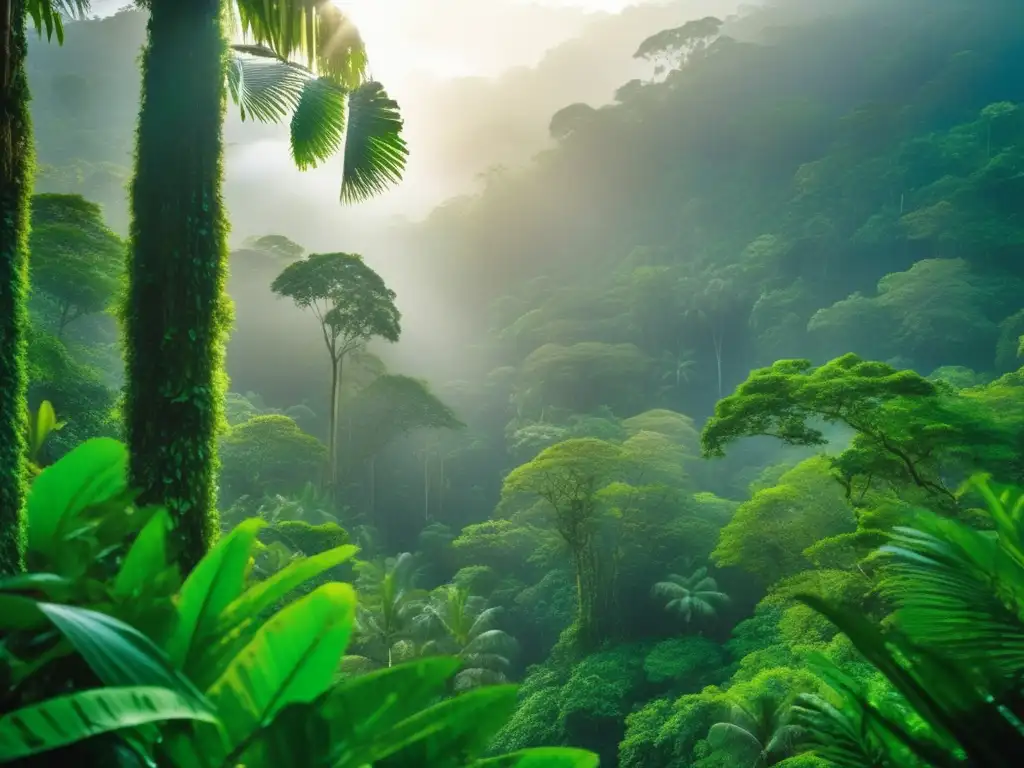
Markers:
(318, 122)
(375, 152)
(669, 590)
(730, 736)
(264, 89)
(948, 695)
(701, 607)
(712, 598)
(839, 735)
(314, 30)
(48, 15)
(858, 732)
(354, 665)
(783, 741)
(961, 591)
(697, 576)
(704, 584)
(485, 621)
(494, 661)
(493, 641)
(475, 677)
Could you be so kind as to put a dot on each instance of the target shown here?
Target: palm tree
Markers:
(388, 606)
(16, 164)
(461, 624)
(760, 731)
(176, 315)
(678, 368)
(691, 597)
(953, 649)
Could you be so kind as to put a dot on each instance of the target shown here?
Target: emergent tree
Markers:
(352, 304)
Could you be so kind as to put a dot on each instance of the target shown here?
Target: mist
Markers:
(477, 91)
(530, 60)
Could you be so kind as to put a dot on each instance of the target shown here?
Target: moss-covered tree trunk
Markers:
(16, 158)
(176, 315)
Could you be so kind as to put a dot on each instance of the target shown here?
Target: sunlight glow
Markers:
(398, 35)
(394, 51)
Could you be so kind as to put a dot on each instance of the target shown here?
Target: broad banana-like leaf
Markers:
(290, 660)
(265, 594)
(216, 582)
(65, 720)
(362, 709)
(55, 588)
(146, 559)
(118, 654)
(543, 757)
(94, 473)
(449, 734)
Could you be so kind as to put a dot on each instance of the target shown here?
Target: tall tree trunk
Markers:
(332, 432)
(426, 483)
(177, 315)
(332, 442)
(16, 158)
(716, 339)
(373, 486)
(440, 487)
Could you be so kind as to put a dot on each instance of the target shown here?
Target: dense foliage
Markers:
(718, 459)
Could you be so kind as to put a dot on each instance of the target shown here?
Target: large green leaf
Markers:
(118, 654)
(19, 614)
(960, 590)
(290, 660)
(447, 735)
(147, 558)
(944, 693)
(318, 123)
(298, 735)
(38, 585)
(93, 473)
(544, 757)
(375, 152)
(265, 89)
(360, 710)
(212, 586)
(317, 31)
(65, 720)
(265, 594)
(48, 16)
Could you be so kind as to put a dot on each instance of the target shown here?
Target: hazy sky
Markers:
(460, 37)
(478, 82)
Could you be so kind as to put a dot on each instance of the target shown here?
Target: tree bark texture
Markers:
(177, 315)
(16, 163)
